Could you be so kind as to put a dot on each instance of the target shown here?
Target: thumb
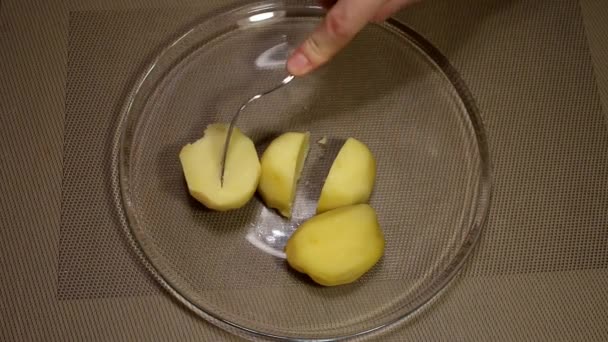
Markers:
(341, 24)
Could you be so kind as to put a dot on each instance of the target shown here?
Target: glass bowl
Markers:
(390, 89)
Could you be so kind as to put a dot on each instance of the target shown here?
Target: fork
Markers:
(284, 82)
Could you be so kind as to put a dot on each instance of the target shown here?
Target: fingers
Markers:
(390, 8)
(344, 20)
(327, 3)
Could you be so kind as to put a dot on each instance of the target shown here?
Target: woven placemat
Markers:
(548, 146)
(539, 272)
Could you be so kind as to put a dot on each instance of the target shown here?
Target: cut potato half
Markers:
(282, 164)
(351, 177)
(201, 163)
(338, 246)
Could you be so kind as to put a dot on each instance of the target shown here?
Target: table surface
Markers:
(539, 73)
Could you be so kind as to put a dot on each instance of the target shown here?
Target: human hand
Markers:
(341, 24)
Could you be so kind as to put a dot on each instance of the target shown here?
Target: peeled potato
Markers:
(201, 163)
(282, 164)
(338, 246)
(350, 179)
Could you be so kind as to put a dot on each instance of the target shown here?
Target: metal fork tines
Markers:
(285, 81)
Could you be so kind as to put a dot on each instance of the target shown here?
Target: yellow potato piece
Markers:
(282, 164)
(350, 179)
(338, 246)
(201, 163)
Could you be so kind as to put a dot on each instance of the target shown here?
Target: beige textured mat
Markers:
(535, 86)
(595, 13)
(538, 71)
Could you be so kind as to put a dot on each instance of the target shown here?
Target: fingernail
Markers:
(298, 64)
